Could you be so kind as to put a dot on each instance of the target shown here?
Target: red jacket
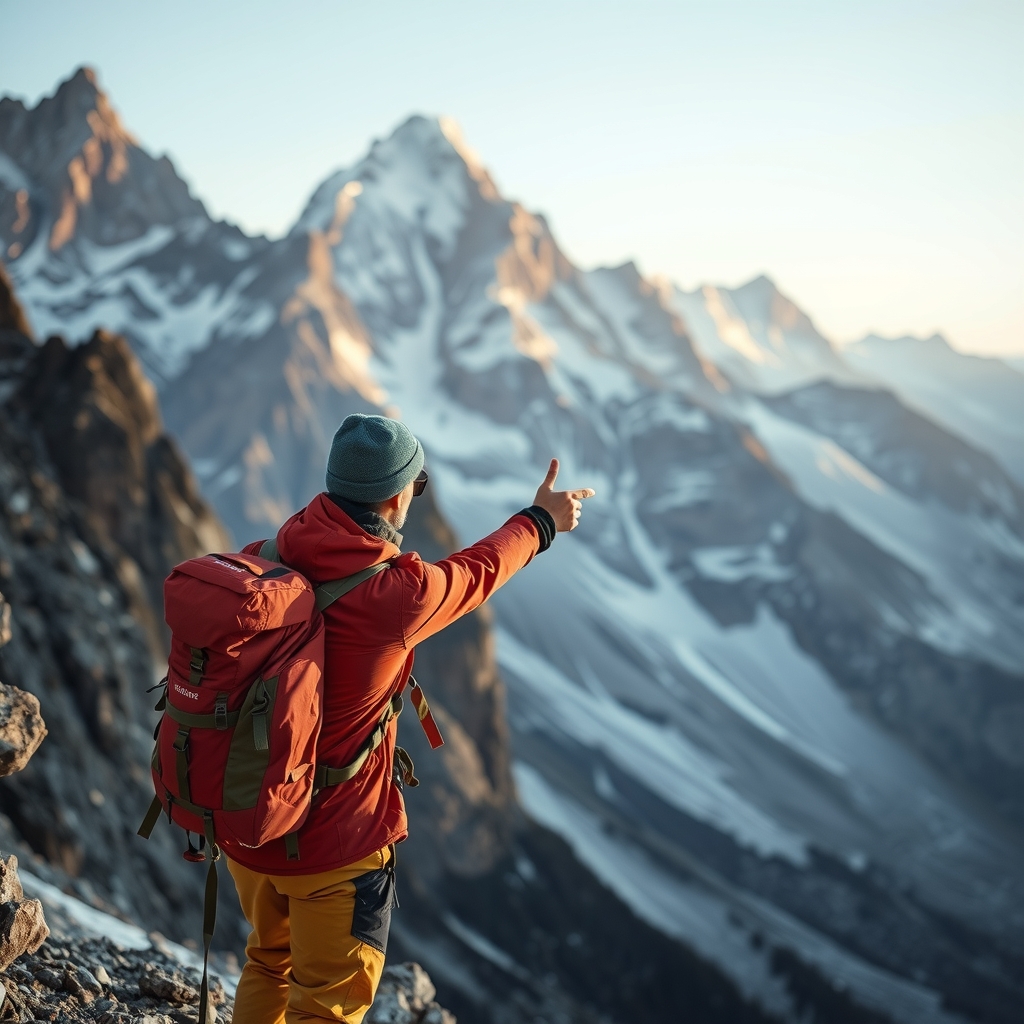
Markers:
(370, 635)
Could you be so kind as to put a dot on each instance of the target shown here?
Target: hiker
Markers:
(320, 922)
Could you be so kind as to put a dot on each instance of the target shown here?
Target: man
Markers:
(320, 922)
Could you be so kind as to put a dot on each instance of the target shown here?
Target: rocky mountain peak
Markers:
(70, 169)
(761, 302)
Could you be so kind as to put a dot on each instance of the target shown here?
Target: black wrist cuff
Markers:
(544, 522)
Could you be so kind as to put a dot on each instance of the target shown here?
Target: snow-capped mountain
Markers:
(759, 338)
(770, 691)
(100, 234)
(980, 400)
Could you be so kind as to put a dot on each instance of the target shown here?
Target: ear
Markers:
(394, 502)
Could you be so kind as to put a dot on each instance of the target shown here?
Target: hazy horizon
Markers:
(868, 162)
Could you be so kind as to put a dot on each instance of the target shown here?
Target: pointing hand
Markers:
(565, 506)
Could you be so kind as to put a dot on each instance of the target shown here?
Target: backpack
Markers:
(235, 753)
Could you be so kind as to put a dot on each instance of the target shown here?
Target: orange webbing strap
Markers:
(419, 702)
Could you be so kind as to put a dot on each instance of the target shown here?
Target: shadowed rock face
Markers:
(99, 419)
(95, 505)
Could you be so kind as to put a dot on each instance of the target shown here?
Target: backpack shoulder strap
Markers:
(329, 592)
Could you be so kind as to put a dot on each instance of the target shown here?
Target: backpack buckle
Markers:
(220, 711)
(197, 665)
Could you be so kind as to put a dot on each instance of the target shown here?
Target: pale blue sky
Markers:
(867, 156)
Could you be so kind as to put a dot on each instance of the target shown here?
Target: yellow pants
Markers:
(316, 950)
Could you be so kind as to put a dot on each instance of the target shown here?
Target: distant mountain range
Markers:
(770, 693)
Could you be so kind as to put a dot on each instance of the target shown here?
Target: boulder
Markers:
(406, 996)
(21, 725)
(22, 926)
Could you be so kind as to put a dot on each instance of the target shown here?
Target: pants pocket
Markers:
(375, 899)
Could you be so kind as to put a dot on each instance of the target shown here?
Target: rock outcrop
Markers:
(21, 727)
(22, 924)
(95, 506)
(406, 996)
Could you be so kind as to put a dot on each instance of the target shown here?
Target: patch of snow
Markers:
(732, 564)
(963, 566)
(103, 260)
(236, 249)
(659, 756)
(720, 925)
(482, 946)
(12, 175)
(980, 400)
(84, 557)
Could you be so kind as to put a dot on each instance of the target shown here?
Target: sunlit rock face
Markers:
(99, 233)
(770, 691)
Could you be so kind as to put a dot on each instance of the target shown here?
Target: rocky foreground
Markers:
(98, 980)
(57, 970)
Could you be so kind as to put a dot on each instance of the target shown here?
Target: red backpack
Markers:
(235, 751)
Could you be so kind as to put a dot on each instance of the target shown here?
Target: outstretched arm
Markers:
(439, 593)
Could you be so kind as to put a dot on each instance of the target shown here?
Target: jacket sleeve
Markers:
(436, 594)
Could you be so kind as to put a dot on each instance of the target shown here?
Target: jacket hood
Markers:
(324, 543)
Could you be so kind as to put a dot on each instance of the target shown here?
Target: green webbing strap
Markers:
(230, 718)
(291, 845)
(150, 820)
(260, 706)
(181, 762)
(199, 812)
(196, 666)
(327, 776)
(328, 593)
(209, 919)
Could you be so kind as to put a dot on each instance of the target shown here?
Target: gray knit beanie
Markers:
(372, 458)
